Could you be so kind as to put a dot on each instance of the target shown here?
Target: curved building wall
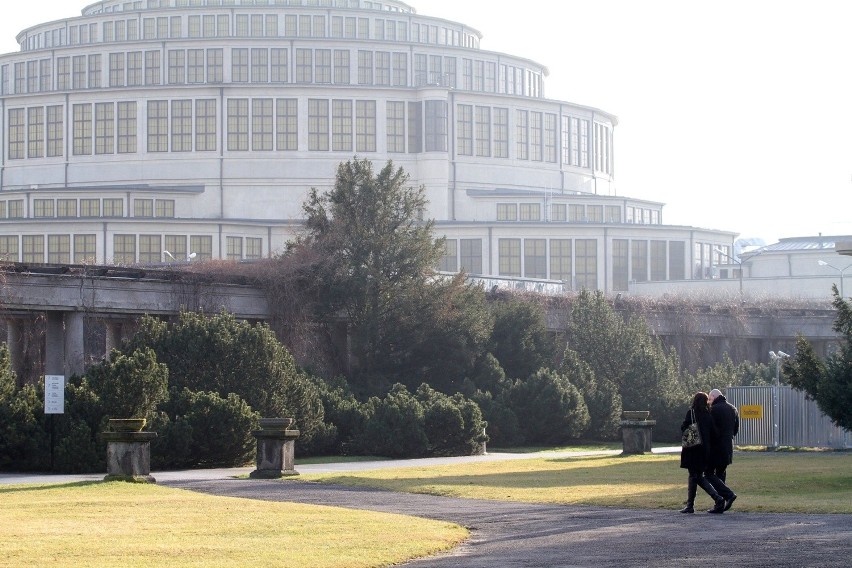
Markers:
(199, 126)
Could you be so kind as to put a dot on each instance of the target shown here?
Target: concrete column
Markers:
(14, 339)
(114, 335)
(54, 352)
(74, 344)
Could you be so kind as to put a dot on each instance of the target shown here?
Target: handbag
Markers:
(691, 436)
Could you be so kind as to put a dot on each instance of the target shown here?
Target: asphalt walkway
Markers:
(517, 534)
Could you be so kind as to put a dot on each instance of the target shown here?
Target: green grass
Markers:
(116, 524)
(767, 482)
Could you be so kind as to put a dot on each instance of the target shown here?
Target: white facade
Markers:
(199, 126)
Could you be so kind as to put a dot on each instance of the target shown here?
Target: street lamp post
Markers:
(776, 399)
(729, 257)
(840, 270)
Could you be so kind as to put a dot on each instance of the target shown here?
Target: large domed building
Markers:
(154, 130)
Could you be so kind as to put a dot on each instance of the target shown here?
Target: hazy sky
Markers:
(735, 113)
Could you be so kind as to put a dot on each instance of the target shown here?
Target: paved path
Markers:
(516, 534)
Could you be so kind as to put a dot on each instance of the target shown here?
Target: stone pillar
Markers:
(636, 431)
(15, 342)
(128, 451)
(275, 449)
(74, 344)
(54, 349)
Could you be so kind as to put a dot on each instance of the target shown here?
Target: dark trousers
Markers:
(718, 482)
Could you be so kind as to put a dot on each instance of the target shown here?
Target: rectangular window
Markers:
(78, 72)
(483, 131)
(55, 131)
(9, 249)
(234, 248)
(85, 249)
(620, 264)
(400, 69)
(415, 127)
(195, 66)
(279, 71)
(215, 65)
(238, 124)
(535, 258)
(135, 69)
(558, 212)
(63, 73)
(322, 66)
(436, 126)
(464, 127)
(202, 246)
(501, 133)
(240, 65)
(259, 65)
(613, 214)
(677, 260)
(158, 126)
(383, 68)
(43, 208)
(560, 260)
(152, 68)
(286, 124)
(262, 124)
(90, 208)
(584, 144)
(341, 66)
(365, 67)
(450, 259)
(509, 257)
(176, 246)
(507, 211)
(94, 76)
(113, 207)
(59, 249)
(126, 127)
(304, 66)
(35, 129)
(658, 261)
(104, 128)
(595, 213)
(396, 126)
(82, 129)
(470, 255)
(181, 129)
(205, 125)
(66, 207)
(177, 66)
(521, 134)
(254, 248)
(576, 213)
(164, 208)
(150, 248)
(124, 249)
(365, 126)
(550, 138)
(318, 124)
(143, 207)
(116, 69)
(32, 248)
(639, 260)
(586, 264)
(530, 212)
(16, 208)
(536, 131)
(341, 125)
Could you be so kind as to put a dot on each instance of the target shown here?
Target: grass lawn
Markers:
(804, 482)
(123, 524)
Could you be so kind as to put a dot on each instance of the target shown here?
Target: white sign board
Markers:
(54, 394)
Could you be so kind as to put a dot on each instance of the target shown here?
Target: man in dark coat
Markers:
(727, 422)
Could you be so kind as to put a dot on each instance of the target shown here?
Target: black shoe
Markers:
(687, 509)
(719, 507)
(730, 502)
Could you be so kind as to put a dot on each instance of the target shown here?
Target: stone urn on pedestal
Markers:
(636, 431)
(275, 448)
(128, 450)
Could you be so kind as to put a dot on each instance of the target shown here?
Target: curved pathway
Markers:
(517, 534)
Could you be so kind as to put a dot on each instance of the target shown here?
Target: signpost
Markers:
(54, 403)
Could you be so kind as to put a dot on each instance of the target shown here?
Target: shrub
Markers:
(395, 426)
(130, 386)
(550, 408)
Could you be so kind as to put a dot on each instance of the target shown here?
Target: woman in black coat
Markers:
(697, 458)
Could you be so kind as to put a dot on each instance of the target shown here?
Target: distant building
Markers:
(161, 130)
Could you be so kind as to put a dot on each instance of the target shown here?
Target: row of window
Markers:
(571, 260)
(574, 213)
(86, 207)
(267, 124)
(127, 248)
(265, 65)
(249, 26)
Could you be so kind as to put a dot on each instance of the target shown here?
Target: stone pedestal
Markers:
(275, 449)
(129, 456)
(636, 431)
